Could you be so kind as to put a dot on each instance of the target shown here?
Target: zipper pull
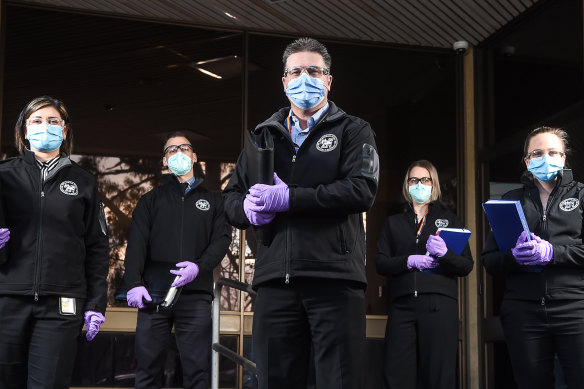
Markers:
(415, 293)
(543, 301)
(287, 279)
(36, 296)
(544, 216)
(43, 193)
(294, 158)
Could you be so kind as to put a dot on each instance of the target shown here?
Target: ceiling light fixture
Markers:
(216, 59)
(208, 73)
(229, 15)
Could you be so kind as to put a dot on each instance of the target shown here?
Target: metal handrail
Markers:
(218, 348)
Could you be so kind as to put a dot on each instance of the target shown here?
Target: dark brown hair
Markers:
(307, 44)
(560, 133)
(176, 134)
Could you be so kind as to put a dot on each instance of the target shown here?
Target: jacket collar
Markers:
(431, 205)
(277, 119)
(29, 156)
(170, 179)
(565, 178)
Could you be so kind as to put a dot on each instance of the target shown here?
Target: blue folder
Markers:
(455, 238)
(507, 222)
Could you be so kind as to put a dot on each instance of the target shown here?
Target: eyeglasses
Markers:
(37, 121)
(540, 153)
(174, 148)
(415, 180)
(312, 71)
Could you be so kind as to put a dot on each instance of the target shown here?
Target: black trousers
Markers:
(535, 332)
(191, 317)
(327, 315)
(421, 339)
(37, 343)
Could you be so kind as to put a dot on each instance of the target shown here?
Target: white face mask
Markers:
(420, 193)
(44, 137)
(306, 92)
(179, 164)
(545, 168)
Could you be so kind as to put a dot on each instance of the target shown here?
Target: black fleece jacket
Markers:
(398, 241)
(58, 237)
(169, 227)
(560, 223)
(332, 180)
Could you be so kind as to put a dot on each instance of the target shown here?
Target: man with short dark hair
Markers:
(310, 266)
(178, 236)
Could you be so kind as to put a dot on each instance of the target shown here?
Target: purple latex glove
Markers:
(536, 252)
(421, 262)
(188, 272)
(270, 198)
(254, 217)
(436, 246)
(519, 246)
(135, 296)
(4, 236)
(93, 320)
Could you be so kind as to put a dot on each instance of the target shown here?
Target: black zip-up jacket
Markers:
(560, 223)
(332, 180)
(398, 241)
(58, 237)
(169, 227)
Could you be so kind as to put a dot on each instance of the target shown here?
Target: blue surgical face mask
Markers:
(306, 92)
(44, 137)
(179, 164)
(545, 168)
(420, 193)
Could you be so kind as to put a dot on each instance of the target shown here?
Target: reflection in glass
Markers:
(121, 183)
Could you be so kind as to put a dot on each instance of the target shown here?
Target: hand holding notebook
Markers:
(535, 252)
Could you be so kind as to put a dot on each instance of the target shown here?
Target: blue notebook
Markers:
(455, 238)
(507, 222)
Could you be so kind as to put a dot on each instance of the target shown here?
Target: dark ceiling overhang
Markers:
(427, 23)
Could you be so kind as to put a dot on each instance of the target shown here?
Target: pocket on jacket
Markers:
(319, 238)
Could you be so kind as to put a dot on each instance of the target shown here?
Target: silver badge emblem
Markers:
(569, 204)
(441, 223)
(327, 143)
(69, 188)
(203, 205)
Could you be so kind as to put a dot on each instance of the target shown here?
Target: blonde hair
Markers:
(436, 193)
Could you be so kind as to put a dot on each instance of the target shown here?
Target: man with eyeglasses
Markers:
(178, 236)
(310, 268)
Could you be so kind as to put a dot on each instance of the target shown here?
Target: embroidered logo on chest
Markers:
(203, 205)
(69, 188)
(327, 143)
(441, 223)
(569, 204)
